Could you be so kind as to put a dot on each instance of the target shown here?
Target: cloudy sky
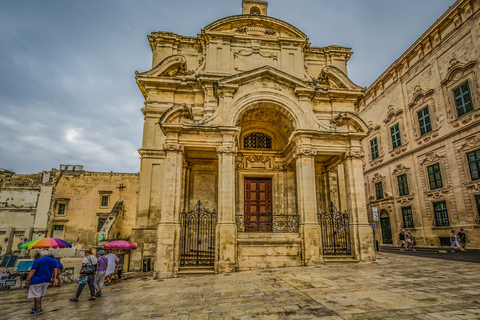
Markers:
(67, 68)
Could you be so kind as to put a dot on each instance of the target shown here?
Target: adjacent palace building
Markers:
(422, 152)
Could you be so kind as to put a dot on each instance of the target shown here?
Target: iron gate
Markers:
(335, 227)
(197, 237)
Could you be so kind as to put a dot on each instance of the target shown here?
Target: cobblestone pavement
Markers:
(393, 287)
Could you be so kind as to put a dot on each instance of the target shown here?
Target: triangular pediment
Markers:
(262, 72)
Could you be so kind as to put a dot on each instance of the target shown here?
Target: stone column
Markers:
(362, 235)
(226, 229)
(307, 205)
(168, 232)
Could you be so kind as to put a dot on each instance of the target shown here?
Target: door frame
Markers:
(381, 226)
(241, 187)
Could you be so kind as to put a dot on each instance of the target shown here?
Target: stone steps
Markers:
(195, 271)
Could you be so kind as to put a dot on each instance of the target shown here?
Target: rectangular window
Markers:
(104, 201)
(441, 214)
(396, 139)
(407, 217)
(101, 222)
(374, 148)
(474, 164)
(434, 176)
(61, 208)
(424, 121)
(403, 185)
(477, 201)
(58, 227)
(463, 99)
(57, 231)
(379, 190)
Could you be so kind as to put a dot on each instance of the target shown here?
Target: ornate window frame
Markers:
(430, 159)
(447, 206)
(457, 74)
(424, 99)
(399, 170)
(394, 117)
(374, 133)
(470, 144)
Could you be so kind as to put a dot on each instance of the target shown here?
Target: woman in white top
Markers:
(91, 260)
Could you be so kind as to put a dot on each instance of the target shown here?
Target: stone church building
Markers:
(250, 140)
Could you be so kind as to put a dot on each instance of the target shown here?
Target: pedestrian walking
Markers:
(102, 265)
(401, 237)
(462, 237)
(112, 261)
(59, 270)
(39, 279)
(454, 242)
(89, 264)
(410, 240)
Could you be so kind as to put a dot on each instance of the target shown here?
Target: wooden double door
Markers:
(258, 205)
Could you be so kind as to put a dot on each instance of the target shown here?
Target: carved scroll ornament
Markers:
(303, 151)
(227, 150)
(173, 147)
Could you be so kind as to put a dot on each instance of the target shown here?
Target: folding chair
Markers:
(67, 276)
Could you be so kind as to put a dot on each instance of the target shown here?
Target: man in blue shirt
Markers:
(39, 278)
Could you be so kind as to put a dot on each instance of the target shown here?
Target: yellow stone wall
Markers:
(82, 193)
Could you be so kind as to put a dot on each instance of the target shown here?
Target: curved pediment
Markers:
(255, 25)
(172, 66)
(350, 120)
(333, 77)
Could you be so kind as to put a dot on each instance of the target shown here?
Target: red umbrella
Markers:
(120, 245)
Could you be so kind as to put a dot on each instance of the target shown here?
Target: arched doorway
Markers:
(386, 227)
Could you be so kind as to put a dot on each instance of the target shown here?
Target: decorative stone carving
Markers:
(431, 158)
(400, 169)
(354, 155)
(472, 185)
(258, 162)
(377, 178)
(405, 199)
(257, 30)
(471, 142)
(227, 150)
(304, 151)
(437, 194)
(243, 60)
(372, 127)
(392, 114)
(173, 147)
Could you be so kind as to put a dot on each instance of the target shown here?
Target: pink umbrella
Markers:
(120, 245)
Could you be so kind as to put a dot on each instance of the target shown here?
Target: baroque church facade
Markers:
(250, 134)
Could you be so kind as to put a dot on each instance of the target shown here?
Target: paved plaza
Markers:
(393, 287)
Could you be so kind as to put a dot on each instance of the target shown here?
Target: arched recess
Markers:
(178, 114)
(266, 119)
(298, 117)
(386, 227)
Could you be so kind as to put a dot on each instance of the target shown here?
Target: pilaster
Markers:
(356, 205)
(168, 232)
(226, 229)
(307, 205)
